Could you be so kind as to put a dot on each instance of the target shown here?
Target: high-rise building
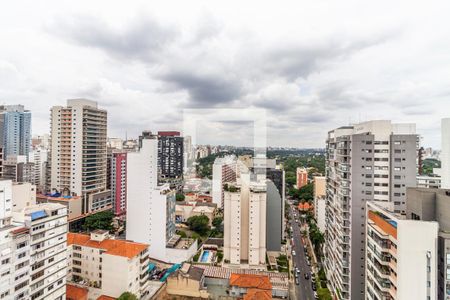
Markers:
(119, 182)
(111, 266)
(224, 170)
(445, 153)
(302, 177)
(320, 201)
(78, 152)
(401, 256)
(38, 158)
(17, 169)
(374, 160)
(15, 130)
(150, 207)
(434, 205)
(245, 205)
(170, 155)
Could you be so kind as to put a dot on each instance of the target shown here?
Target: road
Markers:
(303, 290)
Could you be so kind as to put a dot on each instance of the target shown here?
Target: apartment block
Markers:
(38, 158)
(224, 170)
(23, 195)
(110, 267)
(302, 177)
(151, 208)
(119, 182)
(15, 130)
(40, 248)
(434, 205)
(445, 153)
(170, 155)
(245, 222)
(78, 153)
(401, 256)
(374, 160)
(320, 201)
(429, 182)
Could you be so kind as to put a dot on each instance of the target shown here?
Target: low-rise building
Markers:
(183, 211)
(72, 203)
(188, 281)
(401, 256)
(247, 286)
(111, 266)
(23, 194)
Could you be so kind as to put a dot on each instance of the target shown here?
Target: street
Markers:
(303, 290)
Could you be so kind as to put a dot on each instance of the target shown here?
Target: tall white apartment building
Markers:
(38, 157)
(151, 208)
(78, 152)
(224, 170)
(33, 254)
(245, 222)
(374, 160)
(110, 266)
(47, 230)
(401, 256)
(445, 153)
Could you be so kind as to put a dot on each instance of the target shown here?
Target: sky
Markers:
(311, 65)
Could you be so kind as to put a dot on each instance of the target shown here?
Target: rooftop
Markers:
(56, 197)
(250, 281)
(257, 294)
(75, 293)
(104, 297)
(113, 247)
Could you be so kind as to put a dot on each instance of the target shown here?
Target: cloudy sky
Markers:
(313, 65)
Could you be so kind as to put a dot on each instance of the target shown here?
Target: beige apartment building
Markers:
(94, 261)
(78, 157)
(245, 222)
(72, 203)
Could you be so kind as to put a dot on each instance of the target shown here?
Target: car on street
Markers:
(293, 252)
(315, 295)
(313, 286)
(297, 281)
(306, 275)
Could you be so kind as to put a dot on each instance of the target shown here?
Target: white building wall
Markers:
(6, 204)
(23, 194)
(445, 153)
(319, 207)
(417, 253)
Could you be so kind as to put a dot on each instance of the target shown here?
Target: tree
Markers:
(101, 220)
(199, 224)
(179, 197)
(127, 296)
(217, 221)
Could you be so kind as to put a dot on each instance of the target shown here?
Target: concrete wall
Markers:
(274, 230)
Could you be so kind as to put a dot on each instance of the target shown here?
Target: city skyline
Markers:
(316, 67)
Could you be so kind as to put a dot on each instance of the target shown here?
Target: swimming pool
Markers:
(204, 257)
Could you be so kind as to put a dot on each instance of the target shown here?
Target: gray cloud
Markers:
(143, 39)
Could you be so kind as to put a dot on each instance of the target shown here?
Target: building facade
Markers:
(434, 205)
(119, 182)
(78, 152)
(170, 155)
(429, 182)
(111, 266)
(150, 207)
(401, 256)
(245, 222)
(302, 177)
(445, 153)
(224, 170)
(15, 130)
(374, 160)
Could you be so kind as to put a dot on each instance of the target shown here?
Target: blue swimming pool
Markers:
(204, 257)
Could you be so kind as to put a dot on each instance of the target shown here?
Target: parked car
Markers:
(315, 295)
(297, 282)
(314, 287)
(306, 275)
(293, 252)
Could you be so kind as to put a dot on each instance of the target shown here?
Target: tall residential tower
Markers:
(78, 152)
(369, 161)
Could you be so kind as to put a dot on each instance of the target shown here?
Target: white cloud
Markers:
(314, 65)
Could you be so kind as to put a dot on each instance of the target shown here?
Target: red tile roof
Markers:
(250, 281)
(112, 247)
(76, 293)
(257, 294)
